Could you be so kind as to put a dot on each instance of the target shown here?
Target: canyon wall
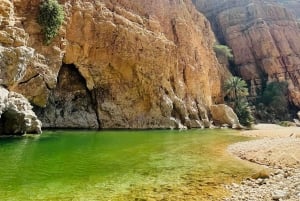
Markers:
(114, 64)
(264, 37)
(292, 5)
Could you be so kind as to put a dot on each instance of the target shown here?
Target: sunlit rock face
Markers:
(141, 64)
(264, 37)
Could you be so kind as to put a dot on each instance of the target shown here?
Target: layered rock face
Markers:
(129, 64)
(264, 37)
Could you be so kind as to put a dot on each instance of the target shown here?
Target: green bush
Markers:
(223, 50)
(51, 16)
(287, 124)
(274, 104)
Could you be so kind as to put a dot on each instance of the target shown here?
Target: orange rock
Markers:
(145, 63)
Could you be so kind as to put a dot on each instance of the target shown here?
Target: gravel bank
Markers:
(281, 185)
(279, 153)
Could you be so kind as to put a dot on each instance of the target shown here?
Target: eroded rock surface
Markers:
(16, 115)
(25, 63)
(146, 64)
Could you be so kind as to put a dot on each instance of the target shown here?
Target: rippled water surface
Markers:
(118, 165)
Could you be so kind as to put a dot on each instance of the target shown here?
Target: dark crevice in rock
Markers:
(47, 85)
(184, 76)
(28, 80)
(176, 39)
(172, 82)
(70, 104)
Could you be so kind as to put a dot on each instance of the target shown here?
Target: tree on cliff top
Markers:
(51, 17)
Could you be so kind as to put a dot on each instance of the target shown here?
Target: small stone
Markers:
(235, 185)
(279, 194)
(279, 171)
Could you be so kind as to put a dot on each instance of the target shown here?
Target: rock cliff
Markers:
(264, 37)
(292, 5)
(114, 64)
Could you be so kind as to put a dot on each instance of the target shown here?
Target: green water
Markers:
(118, 165)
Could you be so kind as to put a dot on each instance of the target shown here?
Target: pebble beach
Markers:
(277, 150)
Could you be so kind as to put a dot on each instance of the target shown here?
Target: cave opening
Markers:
(12, 123)
(70, 104)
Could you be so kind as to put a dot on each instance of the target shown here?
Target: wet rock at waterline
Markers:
(16, 115)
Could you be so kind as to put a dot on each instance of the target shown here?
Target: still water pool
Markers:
(119, 165)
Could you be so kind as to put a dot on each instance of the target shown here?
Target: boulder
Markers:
(223, 114)
(16, 115)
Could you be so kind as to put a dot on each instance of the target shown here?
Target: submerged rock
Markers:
(16, 115)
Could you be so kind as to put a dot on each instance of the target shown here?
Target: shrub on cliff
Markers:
(223, 50)
(51, 16)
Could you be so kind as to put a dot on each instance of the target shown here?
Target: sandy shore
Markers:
(277, 149)
(272, 131)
